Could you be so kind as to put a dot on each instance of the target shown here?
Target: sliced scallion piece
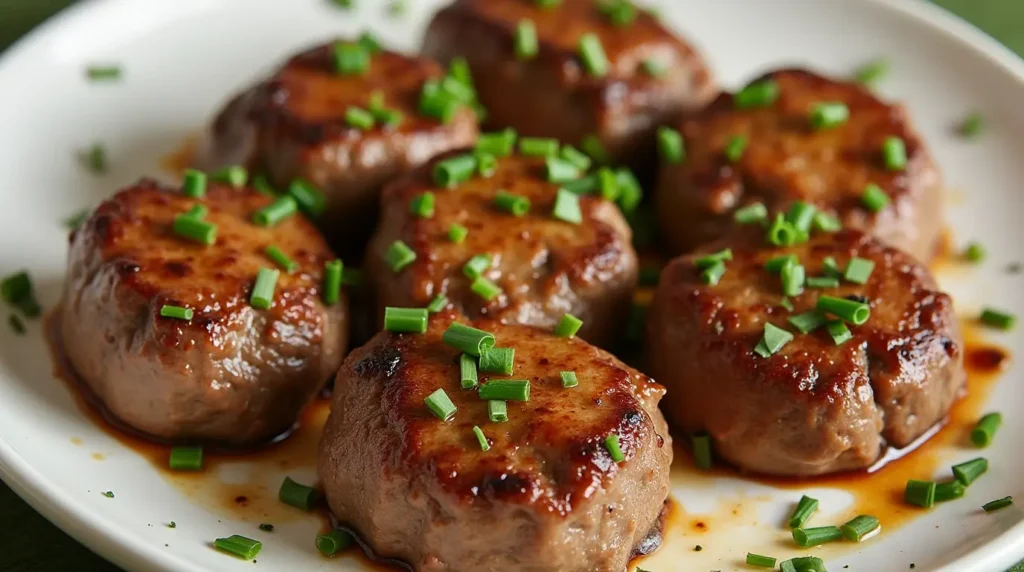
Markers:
(611, 443)
(498, 360)
(998, 319)
(413, 320)
(297, 495)
(758, 94)
(859, 527)
(995, 505)
(506, 390)
(186, 458)
(568, 326)
(859, 270)
(969, 471)
(194, 183)
(569, 379)
(920, 493)
(263, 290)
(240, 546)
(592, 55)
(450, 172)
(567, 207)
(333, 542)
(481, 438)
(468, 377)
(281, 259)
(497, 411)
(670, 145)
(332, 281)
(399, 255)
(468, 339)
(807, 537)
(850, 311)
(985, 429)
(276, 211)
(701, 447)
(526, 45)
(176, 312)
(440, 405)
(516, 205)
(485, 288)
(803, 511)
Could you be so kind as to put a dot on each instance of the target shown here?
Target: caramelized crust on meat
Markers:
(552, 95)
(787, 160)
(813, 407)
(427, 492)
(232, 374)
(545, 266)
(293, 125)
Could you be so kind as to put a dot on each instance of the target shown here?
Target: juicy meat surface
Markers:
(545, 496)
(786, 160)
(233, 374)
(552, 94)
(813, 407)
(544, 266)
(292, 125)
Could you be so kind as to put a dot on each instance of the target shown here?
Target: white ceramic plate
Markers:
(184, 57)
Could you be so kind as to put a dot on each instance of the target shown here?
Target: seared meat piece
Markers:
(653, 77)
(546, 495)
(544, 266)
(233, 374)
(786, 159)
(293, 125)
(813, 407)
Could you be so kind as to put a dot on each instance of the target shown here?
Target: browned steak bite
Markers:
(233, 374)
(813, 406)
(781, 154)
(299, 123)
(651, 76)
(542, 492)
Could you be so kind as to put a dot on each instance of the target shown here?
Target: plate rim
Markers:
(127, 551)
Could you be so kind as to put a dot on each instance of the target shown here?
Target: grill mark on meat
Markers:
(383, 362)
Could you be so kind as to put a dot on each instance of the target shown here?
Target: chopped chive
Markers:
(481, 438)
(850, 311)
(467, 371)
(440, 405)
(103, 72)
(949, 490)
(803, 564)
(568, 326)
(351, 59)
(451, 172)
(486, 164)
(782, 232)
(468, 339)
(516, 205)
(894, 153)
(308, 198)
(359, 118)
(611, 443)
(653, 67)
(276, 211)
(95, 158)
(198, 210)
(592, 54)
(630, 191)
(567, 207)
(234, 175)
(793, 278)
(573, 155)
(760, 561)
(985, 429)
(477, 265)
(831, 267)
(388, 117)
(16, 324)
(824, 222)
(440, 302)
(458, 90)
(108, 494)
(422, 205)
(859, 270)
(807, 322)
(176, 312)
(801, 215)
(399, 255)
(803, 511)
(560, 171)
(872, 71)
(297, 495)
(807, 537)
(755, 213)
(822, 282)
(998, 319)
(608, 184)
(263, 290)
(333, 542)
(526, 40)
(457, 233)
(621, 14)
(592, 145)
(569, 379)
(670, 145)
(779, 262)
(735, 147)
(186, 458)
(499, 143)
(920, 493)
(195, 229)
(713, 274)
(436, 103)
(786, 303)
(369, 42)
(995, 505)
(498, 360)
(874, 198)
(261, 185)
(332, 281)
(485, 288)
(16, 290)
(538, 147)
(506, 390)
(240, 546)
(194, 184)
(969, 471)
(701, 447)
(497, 411)
(974, 252)
(547, 3)
(860, 526)
(759, 94)
(826, 115)
(413, 320)
(377, 100)
(773, 340)
(971, 126)
(281, 259)
(839, 331)
(458, 69)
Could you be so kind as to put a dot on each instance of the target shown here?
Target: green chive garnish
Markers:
(824, 222)
(194, 184)
(485, 288)
(297, 495)
(16, 289)
(506, 390)
(359, 118)
(526, 40)
(457, 233)
(653, 67)
(558, 170)
(516, 205)
(307, 197)
(920, 493)
(755, 213)
(569, 379)
(567, 207)
(413, 320)
(735, 147)
(568, 326)
(176, 312)
(772, 341)
(670, 145)
(440, 405)
(807, 322)
(997, 504)
(850, 311)
(894, 153)
(263, 291)
(195, 229)
(701, 447)
(949, 490)
(451, 172)
(468, 339)
(974, 252)
(968, 471)
(760, 94)
(801, 215)
(859, 270)
(760, 561)
(500, 143)
(839, 331)
(468, 377)
(803, 511)
(103, 73)
(592, 54)
(860, 526)
(874, 198)
(872, 71)
(971, 126)
(829, 114)
(486, 164)
(538, 147)
(440, 302)
(592, 145)
(822, 282)
(575, 157)
(234, 175)
(481, 438)
(399, 255)
(422, 205)
(611, 443)
(807, 537)
(793, 278)
(332, 281)
(281, 259)
(998, 319)
(95, 158)
(985, 429)
(240, 546)
(351, 59)
(186, 458)
(498, 360)
(333, 542)
(276, 211)
(497, 411)
(779, 262)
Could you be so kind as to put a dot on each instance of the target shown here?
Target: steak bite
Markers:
(787, 148)
(233, 374)
(542, 492)
(537, 266)
(299, 124)
(816, 405)
(649, 76)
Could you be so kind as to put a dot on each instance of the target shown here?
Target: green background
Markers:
(29, 543)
